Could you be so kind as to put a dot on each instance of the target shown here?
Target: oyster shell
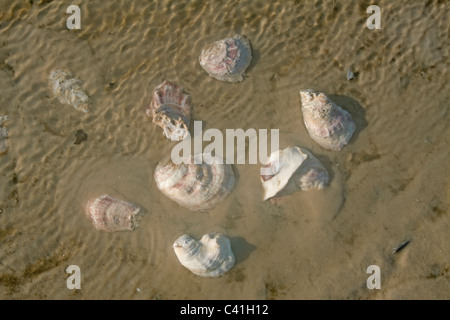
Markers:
(171, 110)
(293, 168)
(327, 123)
(227, 59)
(110, 214)
(211, 256)
(4, 145)
(197, 187)
(68, 90)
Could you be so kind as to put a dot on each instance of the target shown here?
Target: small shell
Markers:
(4, 144)
(327, 123)
(401, 246)
(110, 214)
(170, 109)
(227, 59)
(197, 187)
(209, 257)
(350, 74)
(293, 167)
(69, 90)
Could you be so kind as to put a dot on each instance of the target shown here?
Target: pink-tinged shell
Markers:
(327, 123)
(197, 187)
(110, 214)
(4, 145)
(227, 59)
(293, 169)
(171, 110)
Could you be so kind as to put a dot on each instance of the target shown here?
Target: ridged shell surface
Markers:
(111, 214)
(197, 187)
(227, 59)
(4, 144)
(171, 110)
(68, 90)
(211, 256)
(294, 167)
(327, 123)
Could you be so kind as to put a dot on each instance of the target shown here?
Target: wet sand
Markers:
(388, 185)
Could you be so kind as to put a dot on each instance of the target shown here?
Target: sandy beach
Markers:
(389, 185)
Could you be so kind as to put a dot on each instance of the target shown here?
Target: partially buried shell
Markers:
(292, 169)
(110, 214)
(327, 123)
(68, 90)
(171, 110)
(227, 59)
(197, 187)
(4, 145)
(209, 257)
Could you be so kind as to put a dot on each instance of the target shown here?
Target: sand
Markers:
(388, 185)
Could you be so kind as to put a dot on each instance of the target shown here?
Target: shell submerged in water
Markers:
(211, 256)
(110, 214)
(327, 123)
(197, 187)
(68, 90)
(293, 169)
(171, 110)
(4, 144)
(227, 59)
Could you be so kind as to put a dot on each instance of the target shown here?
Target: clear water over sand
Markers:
(390, 184)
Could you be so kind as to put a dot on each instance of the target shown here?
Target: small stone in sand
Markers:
(351, 75)
(80, 136)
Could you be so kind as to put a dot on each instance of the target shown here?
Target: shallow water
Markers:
(390, 184)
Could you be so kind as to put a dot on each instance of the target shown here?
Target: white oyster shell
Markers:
(171, 110)
(110, 214)
(227, 59)
(68, 90)
(327, 123)
(211, 256)
(4, 144)
(295, 168)
(197, 187)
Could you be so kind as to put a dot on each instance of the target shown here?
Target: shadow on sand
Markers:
(241, 248)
